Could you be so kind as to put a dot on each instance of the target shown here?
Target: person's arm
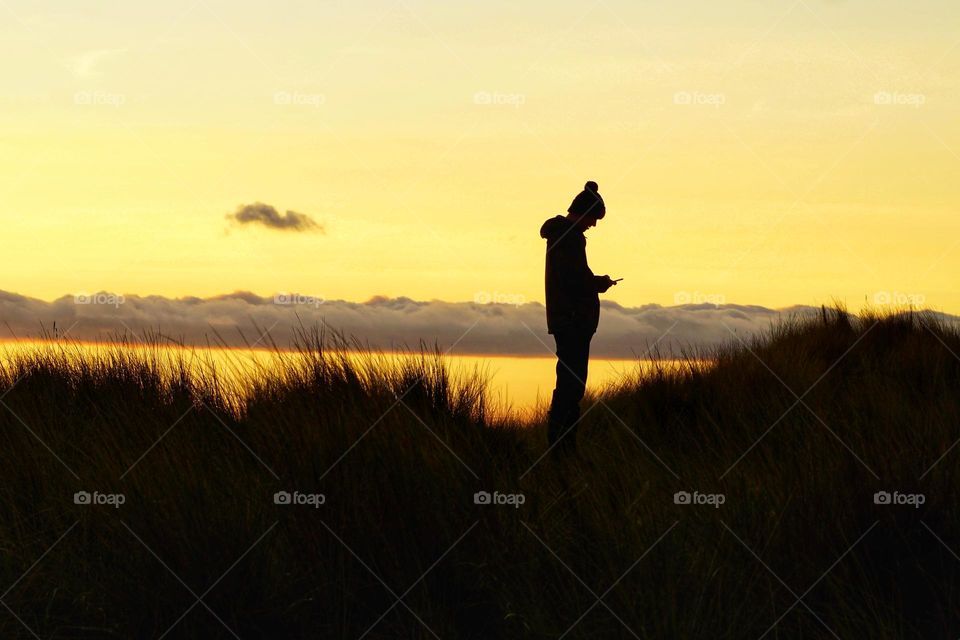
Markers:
(572, 269)
(602, 283)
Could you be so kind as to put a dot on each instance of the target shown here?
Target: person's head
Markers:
(587, 207)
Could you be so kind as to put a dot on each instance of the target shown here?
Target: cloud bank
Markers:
(384, 323)
(267, 216)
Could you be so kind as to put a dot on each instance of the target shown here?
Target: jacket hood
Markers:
(556, 226)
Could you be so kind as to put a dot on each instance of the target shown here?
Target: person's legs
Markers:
(573, 353)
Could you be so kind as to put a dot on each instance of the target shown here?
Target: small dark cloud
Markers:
(268, 216)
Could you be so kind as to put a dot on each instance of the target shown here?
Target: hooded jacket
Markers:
(573, 303)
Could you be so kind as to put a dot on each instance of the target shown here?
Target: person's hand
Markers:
(604, 282)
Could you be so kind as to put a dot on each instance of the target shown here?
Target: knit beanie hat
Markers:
(588, 202)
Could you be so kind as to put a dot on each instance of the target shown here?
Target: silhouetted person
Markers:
(573, 309)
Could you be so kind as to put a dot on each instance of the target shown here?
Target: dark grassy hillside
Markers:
(795, 432)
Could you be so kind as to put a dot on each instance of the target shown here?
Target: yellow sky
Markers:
(769, 153)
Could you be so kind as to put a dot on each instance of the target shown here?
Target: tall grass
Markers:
(398, 448)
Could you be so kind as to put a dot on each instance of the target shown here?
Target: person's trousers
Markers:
(573, 353)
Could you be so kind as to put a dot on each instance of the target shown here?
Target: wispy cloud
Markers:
(266, 215)
(85, 64)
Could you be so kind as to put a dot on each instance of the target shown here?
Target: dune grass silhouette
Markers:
(798, 430)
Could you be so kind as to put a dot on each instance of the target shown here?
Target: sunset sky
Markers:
(772, 153)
